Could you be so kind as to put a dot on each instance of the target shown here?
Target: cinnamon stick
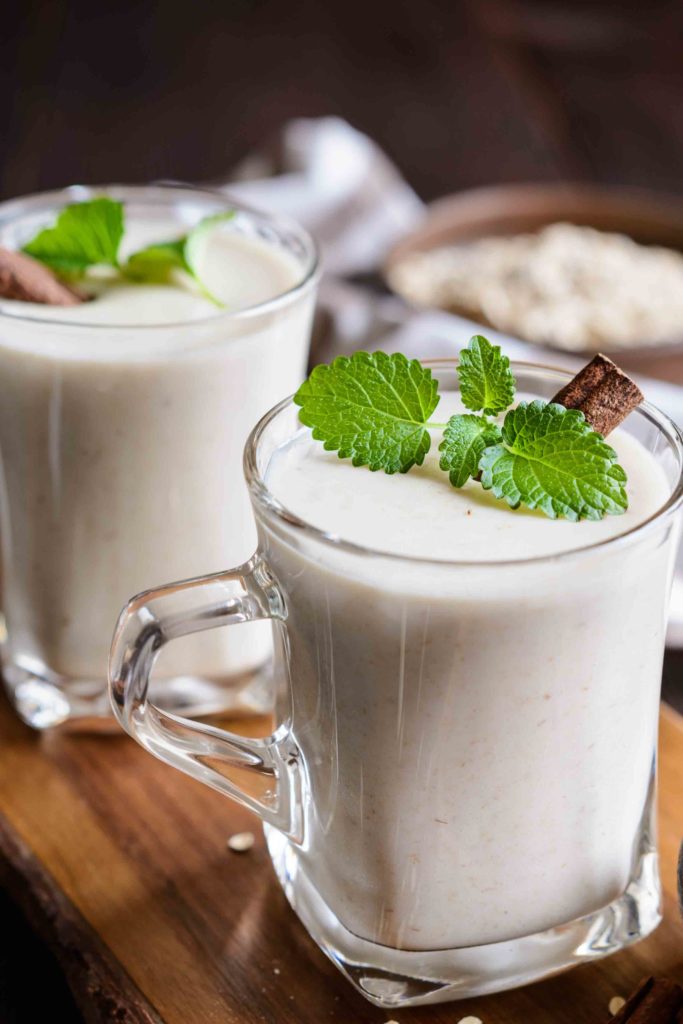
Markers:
(603, 393)
(26, 280)
(655, 1001)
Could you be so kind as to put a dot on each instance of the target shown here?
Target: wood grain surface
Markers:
(122, 865)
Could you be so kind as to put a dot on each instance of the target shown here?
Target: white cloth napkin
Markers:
(341, 186)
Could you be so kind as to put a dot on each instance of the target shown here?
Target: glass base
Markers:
(396, 978)
(44, 700)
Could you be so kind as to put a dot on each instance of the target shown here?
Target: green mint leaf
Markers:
(486, 380)
(371, 408)
(551, 459)
(84, 235)
(157, 262)
(464, 441)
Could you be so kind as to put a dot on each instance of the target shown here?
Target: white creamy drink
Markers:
(478, 737)
(122, 424)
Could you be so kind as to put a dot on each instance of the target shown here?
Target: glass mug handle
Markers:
(148, 622)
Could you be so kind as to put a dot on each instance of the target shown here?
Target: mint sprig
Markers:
(487, 386)
(157, 262)
(84, 235)
(372, 409)
(465, 440)
(375, 409)
(486, 380)
(550, 458)
(89, 234)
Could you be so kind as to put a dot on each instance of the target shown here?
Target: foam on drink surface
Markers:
(420, 514)
(241, 270)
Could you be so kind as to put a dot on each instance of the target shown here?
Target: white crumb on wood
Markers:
(241, 842)
(615, 1004)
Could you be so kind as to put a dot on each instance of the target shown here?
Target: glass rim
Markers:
(270, 505)
(14, 208)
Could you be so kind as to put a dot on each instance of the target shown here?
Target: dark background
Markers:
(458, 93)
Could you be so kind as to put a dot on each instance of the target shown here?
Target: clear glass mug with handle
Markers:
(446, 819)
(110, 428)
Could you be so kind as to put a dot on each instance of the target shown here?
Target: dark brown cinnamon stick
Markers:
(655, 1001)
(603, 393)
(26, 280)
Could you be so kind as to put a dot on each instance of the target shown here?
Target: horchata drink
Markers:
(149, 330)
(473, 655)
(491, 710)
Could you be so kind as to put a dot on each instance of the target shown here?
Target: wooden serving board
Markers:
(121, 863)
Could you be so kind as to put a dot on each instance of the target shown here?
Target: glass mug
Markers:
(121, 451)
(440, 836)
